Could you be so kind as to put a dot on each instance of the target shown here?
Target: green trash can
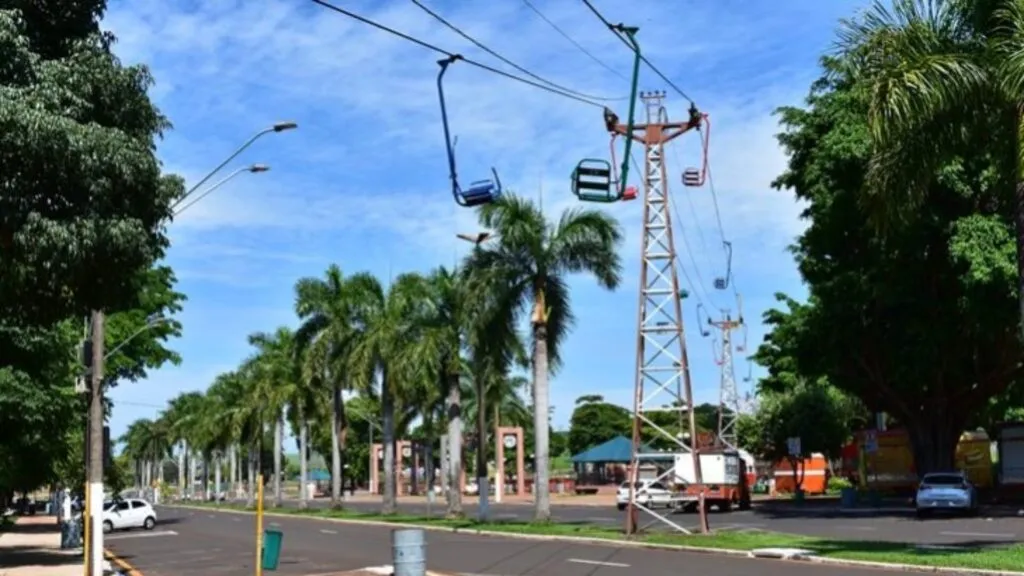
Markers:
(271, 548)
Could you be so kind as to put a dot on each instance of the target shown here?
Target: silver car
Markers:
(949, 491)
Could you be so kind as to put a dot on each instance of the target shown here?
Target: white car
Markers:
(949, 491)
(130, 513)
(648, 494)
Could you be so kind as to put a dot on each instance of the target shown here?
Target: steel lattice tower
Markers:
(662, 366)
(729, 395)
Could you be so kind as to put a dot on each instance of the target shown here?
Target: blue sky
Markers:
(362, 182)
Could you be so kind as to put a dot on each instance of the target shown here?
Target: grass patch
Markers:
(986, 556)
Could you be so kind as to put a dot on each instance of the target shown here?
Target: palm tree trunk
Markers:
(454, 466)
(232, 471)
(428, 451)
(541, 486)
(390, 504)
(206, 476)
(278, 441)
(303, 463)
(182, 473)
(336, 433)
(216, 476)
(250, 494)
(1019, 218)
(192, 465)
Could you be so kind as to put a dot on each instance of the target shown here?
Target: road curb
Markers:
(496, 533)
(894, 567)
(123, 567)
(907, 567)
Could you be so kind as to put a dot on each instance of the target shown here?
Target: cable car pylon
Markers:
(662, 364)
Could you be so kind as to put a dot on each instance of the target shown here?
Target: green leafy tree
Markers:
(91, 202)
(526, 268)
(814, 413)
(594, 422)
(918, 321)
(944, 77)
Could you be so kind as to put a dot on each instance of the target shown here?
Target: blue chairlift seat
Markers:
(480, 192)
(592, 181)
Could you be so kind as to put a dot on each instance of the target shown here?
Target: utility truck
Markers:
(725, 481)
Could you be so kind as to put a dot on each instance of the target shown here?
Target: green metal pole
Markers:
(630, 32)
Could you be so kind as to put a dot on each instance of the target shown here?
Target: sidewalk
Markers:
(32, 548)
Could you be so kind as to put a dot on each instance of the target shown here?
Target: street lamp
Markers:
(481, 413)
(151, 321)
(255, 169)
(279, 127)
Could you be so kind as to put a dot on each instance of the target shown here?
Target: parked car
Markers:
(130, 513)
(648, 494)
(946, 491)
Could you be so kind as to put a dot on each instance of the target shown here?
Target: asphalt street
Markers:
(994, 525)
(218, 543)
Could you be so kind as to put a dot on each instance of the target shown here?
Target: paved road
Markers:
(994, 526)
(216, 543)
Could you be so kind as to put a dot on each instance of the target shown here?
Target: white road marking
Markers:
(210, 516)
(141, 535)
(237, 519)
(597, 563)
(274, 524)
(328, 531)
(863, 528)
(979, 534)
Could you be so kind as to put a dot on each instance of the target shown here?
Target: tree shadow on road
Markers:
(17, 556)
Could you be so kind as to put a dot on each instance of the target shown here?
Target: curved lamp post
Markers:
(279, 127)
(255, 169)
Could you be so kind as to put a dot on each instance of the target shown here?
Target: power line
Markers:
(642, 57)
(481, 46)
(434, 48)
(573, 42)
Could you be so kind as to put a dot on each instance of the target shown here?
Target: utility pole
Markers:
(662, 365)
(729, 395)
(95, 457)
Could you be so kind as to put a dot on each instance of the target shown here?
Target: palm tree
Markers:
(146, 443)
(524, 269)
(279, 372)
(943, 76)
(325, 308)
(386, 322)
(438, 351)
(183, 417)
(303, 407)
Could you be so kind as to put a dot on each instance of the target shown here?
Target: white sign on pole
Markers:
(794, 446)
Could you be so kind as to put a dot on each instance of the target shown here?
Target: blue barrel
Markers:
(409, 550)
(848, 497)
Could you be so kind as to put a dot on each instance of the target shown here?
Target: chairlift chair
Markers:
(695, 177)
(480, 191)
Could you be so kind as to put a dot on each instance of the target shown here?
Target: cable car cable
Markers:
(434, 48)
(573, 42)
(642, 58)
(481, 46)
(726, 245)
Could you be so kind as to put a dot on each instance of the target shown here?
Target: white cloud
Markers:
(363, 181)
